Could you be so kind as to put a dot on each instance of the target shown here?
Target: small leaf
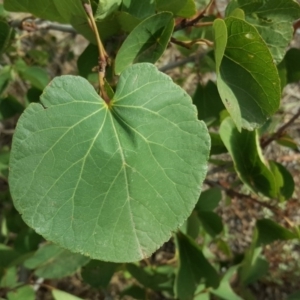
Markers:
(288, 141)
(135, 292)
(37, 76)
(191, 226)
(217, 145)
(249, 163)
(138, 8)
(60, 295)
(208, 102)
(209, 200)
(6, 35)
(294, 296)
(5, 77)
(37, 8)
(272, 19)
(292, 63)
(98, 273)
(253, 266)
(146, 42)
(88, 60)
(180, 8)
(284, 180)
(10, 107)
(193, 267)
(211, 222)
(269, 231)
(109, 182)
(25, 293)
(247, 78)
(158, 279)
(105, 8)
(224, 291)
(52, 261)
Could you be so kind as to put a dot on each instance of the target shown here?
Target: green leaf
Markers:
(109, 182)
(6, 35)
(88, 60)
(135, 292)
(284, 181)
(67, 11)
(269, 231)
(146, 42)
(247, 78)
(7, 256)
(45, 9)
(217, 145)
(179, 8)
(9, 279)
(209, 200)
(248, 161)
(224, 291)
(193, 267)
(272, 19)
(98, 273)
(106, 7)
(5, 77)
(4, 159)
(288, 141)
(25, 293)
(9, 107)
(27, 241)
(51, 261)
(191, 226)
(294, 296)
(292, 63)
(37, 76)
(138, 8)
(253, 266)
(33, 95)
(60, 295)
(208, 102)
(211, 222)
(158, 279)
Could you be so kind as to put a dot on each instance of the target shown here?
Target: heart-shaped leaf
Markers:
(111, 182)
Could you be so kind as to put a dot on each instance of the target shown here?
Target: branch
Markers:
(233, 193)
(31, 24)
(176, 64)
(280, 131)
(185, 23)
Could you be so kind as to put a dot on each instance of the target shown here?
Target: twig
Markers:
(190, 44)
(103, 57)
(185, 23)
(233, 193)
(280, 131)
(30, 24)
(176, 64)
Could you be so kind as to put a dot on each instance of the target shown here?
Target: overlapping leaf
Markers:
(273, 20)
(52, 261)
(147, 42)
(249, 163)
(109, 182)
(180, 8)
(192, 269)
(247, 78)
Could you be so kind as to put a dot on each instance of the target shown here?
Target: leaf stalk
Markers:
(103, 57)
